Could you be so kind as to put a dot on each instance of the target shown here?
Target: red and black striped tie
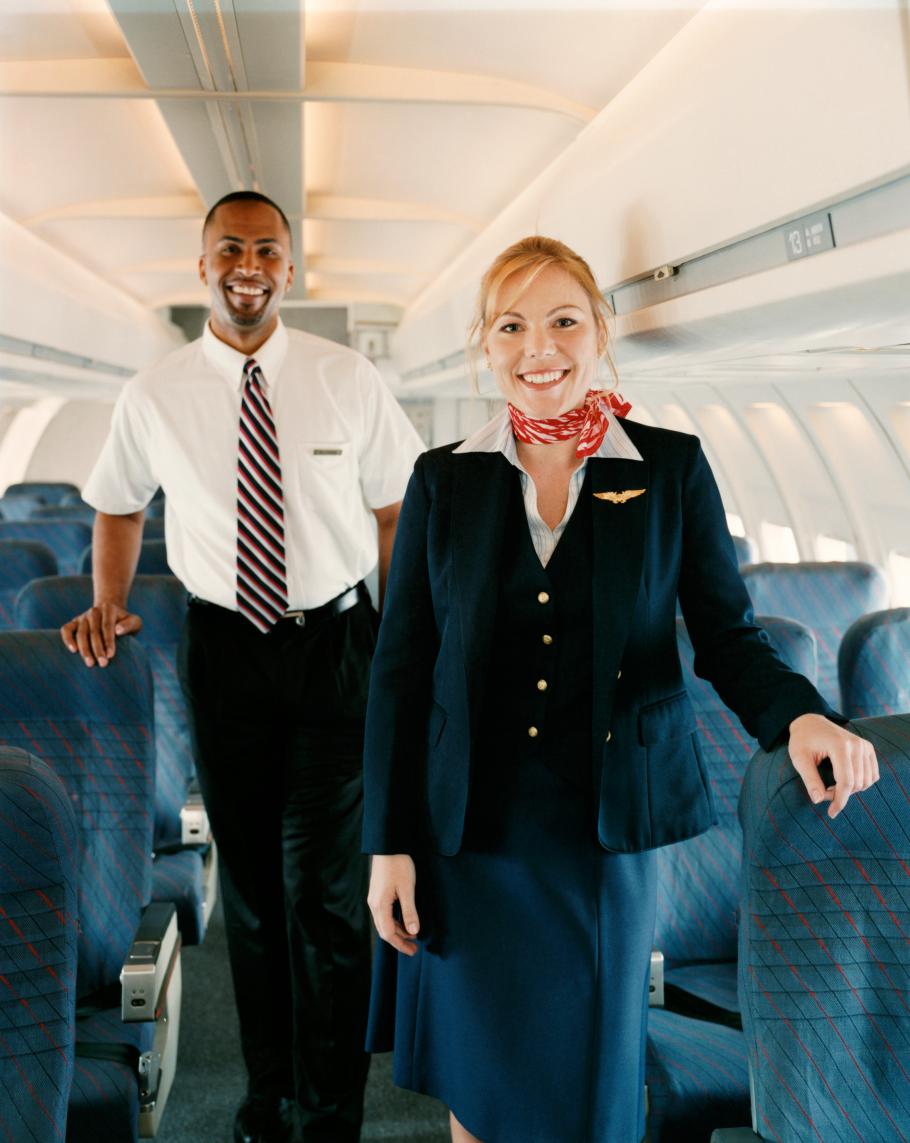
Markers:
(262, 590)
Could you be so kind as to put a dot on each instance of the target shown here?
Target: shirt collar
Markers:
(497, 436)
(229, 362)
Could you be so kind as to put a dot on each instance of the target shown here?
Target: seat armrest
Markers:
(150, 962)
(656, 982)
(194, 819)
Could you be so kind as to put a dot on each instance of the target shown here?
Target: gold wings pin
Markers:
(620, 497)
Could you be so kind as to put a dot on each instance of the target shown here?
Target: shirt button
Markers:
(543, 597)
(609, 735)
(533, 732)
(541, 684)
(548, 639)
(619, 674)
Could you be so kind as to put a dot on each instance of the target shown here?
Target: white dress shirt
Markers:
(497, 436)
(345, 444)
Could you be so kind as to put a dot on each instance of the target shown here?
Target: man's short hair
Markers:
(247, 196)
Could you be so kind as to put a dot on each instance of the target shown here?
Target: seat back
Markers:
(21, 561)
(95, 728)
(824, 974)
(83, 512)
(67, 539)
(153, 528)
(51, 491)
(827, 597)
(873, 665)
(152, 559)
(160, 601)
(38, 947)
(698, 879)
(19, 507)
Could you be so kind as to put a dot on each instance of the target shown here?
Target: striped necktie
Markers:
(262, 592)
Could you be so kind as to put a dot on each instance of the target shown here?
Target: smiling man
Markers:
(274, 449)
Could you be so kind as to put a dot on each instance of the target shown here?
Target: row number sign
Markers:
(809, 236)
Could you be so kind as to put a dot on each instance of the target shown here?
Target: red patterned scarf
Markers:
(590, 420)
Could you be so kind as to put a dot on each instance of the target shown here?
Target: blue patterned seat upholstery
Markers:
(697, 922)
(20, 561)
(51, 491)
(874, 664)
(20, 507)
(83, 512)
(161, 602)
(152, 559)
(827, 597)
(67, 539)
(96, 730)
(746, 550)
(38, 948)
(824, 964)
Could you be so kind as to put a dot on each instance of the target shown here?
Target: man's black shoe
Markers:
(265, 1121)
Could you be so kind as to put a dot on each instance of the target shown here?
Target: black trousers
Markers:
(278, 731)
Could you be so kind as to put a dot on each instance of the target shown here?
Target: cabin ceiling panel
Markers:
(72, 151)
(587, 56)
(471, 159)
(111, 247)
(59, 30)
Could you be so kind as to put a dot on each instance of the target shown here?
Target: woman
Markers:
(529, 738)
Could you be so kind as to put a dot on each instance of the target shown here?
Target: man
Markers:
(272, 447)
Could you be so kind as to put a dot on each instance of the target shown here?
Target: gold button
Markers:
(543, 597)
(541, 684)
(533, 732)
(609, 735)
(548, 639)
(619, 674)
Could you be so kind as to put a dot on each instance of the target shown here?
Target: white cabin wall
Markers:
(71, 442)
(47, 299)
(746, 118)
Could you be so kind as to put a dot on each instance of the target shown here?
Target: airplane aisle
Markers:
(210, 1079)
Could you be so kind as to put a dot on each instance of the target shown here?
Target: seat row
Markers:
(800, 942)
(70, 541)
(90, 966)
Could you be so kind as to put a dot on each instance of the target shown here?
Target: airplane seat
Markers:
(96, 730)
(51, 491)
(155, 509)
(152, 559)
(874, 664)
(153, 528)
(184, 869)
(696, 1063)
(827, 597)
(823, 972)
(38, 948)
(746, 550)
(83, 512)
(20, 507)
(73, 497)
(21, 561)
(67, 539)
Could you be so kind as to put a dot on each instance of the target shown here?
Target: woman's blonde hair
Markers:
(533, 255)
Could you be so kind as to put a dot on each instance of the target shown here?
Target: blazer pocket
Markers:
(672, 717)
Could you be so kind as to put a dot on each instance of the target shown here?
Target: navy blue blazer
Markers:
(429, 672)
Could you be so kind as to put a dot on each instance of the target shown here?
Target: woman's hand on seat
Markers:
(394, 878)
(813, 738)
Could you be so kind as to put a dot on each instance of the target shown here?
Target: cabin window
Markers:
(831, 548)
(735, 524)
(778, 544)
(899, 573)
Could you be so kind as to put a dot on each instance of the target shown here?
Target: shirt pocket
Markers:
(325, 456)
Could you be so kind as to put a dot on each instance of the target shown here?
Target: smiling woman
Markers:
(246, 263)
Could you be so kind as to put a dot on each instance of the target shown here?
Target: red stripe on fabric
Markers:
(248, 495)
(250, 528)
(252, 415)
(249, 561)
(247, 574)
(261, 447)
(805, 1049)
(780, 1079)
(252, 511)
(36, 1099)
(834, 1028)
(263, 480)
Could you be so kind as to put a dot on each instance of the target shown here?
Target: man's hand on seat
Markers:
(94, 633)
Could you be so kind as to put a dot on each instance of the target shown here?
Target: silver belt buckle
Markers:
(298, 616)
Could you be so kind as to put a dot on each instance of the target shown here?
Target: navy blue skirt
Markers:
(525, 1007)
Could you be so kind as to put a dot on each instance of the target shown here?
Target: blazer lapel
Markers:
(618, 527)
(481, 487)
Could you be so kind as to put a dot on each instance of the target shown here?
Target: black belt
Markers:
(336, 606)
